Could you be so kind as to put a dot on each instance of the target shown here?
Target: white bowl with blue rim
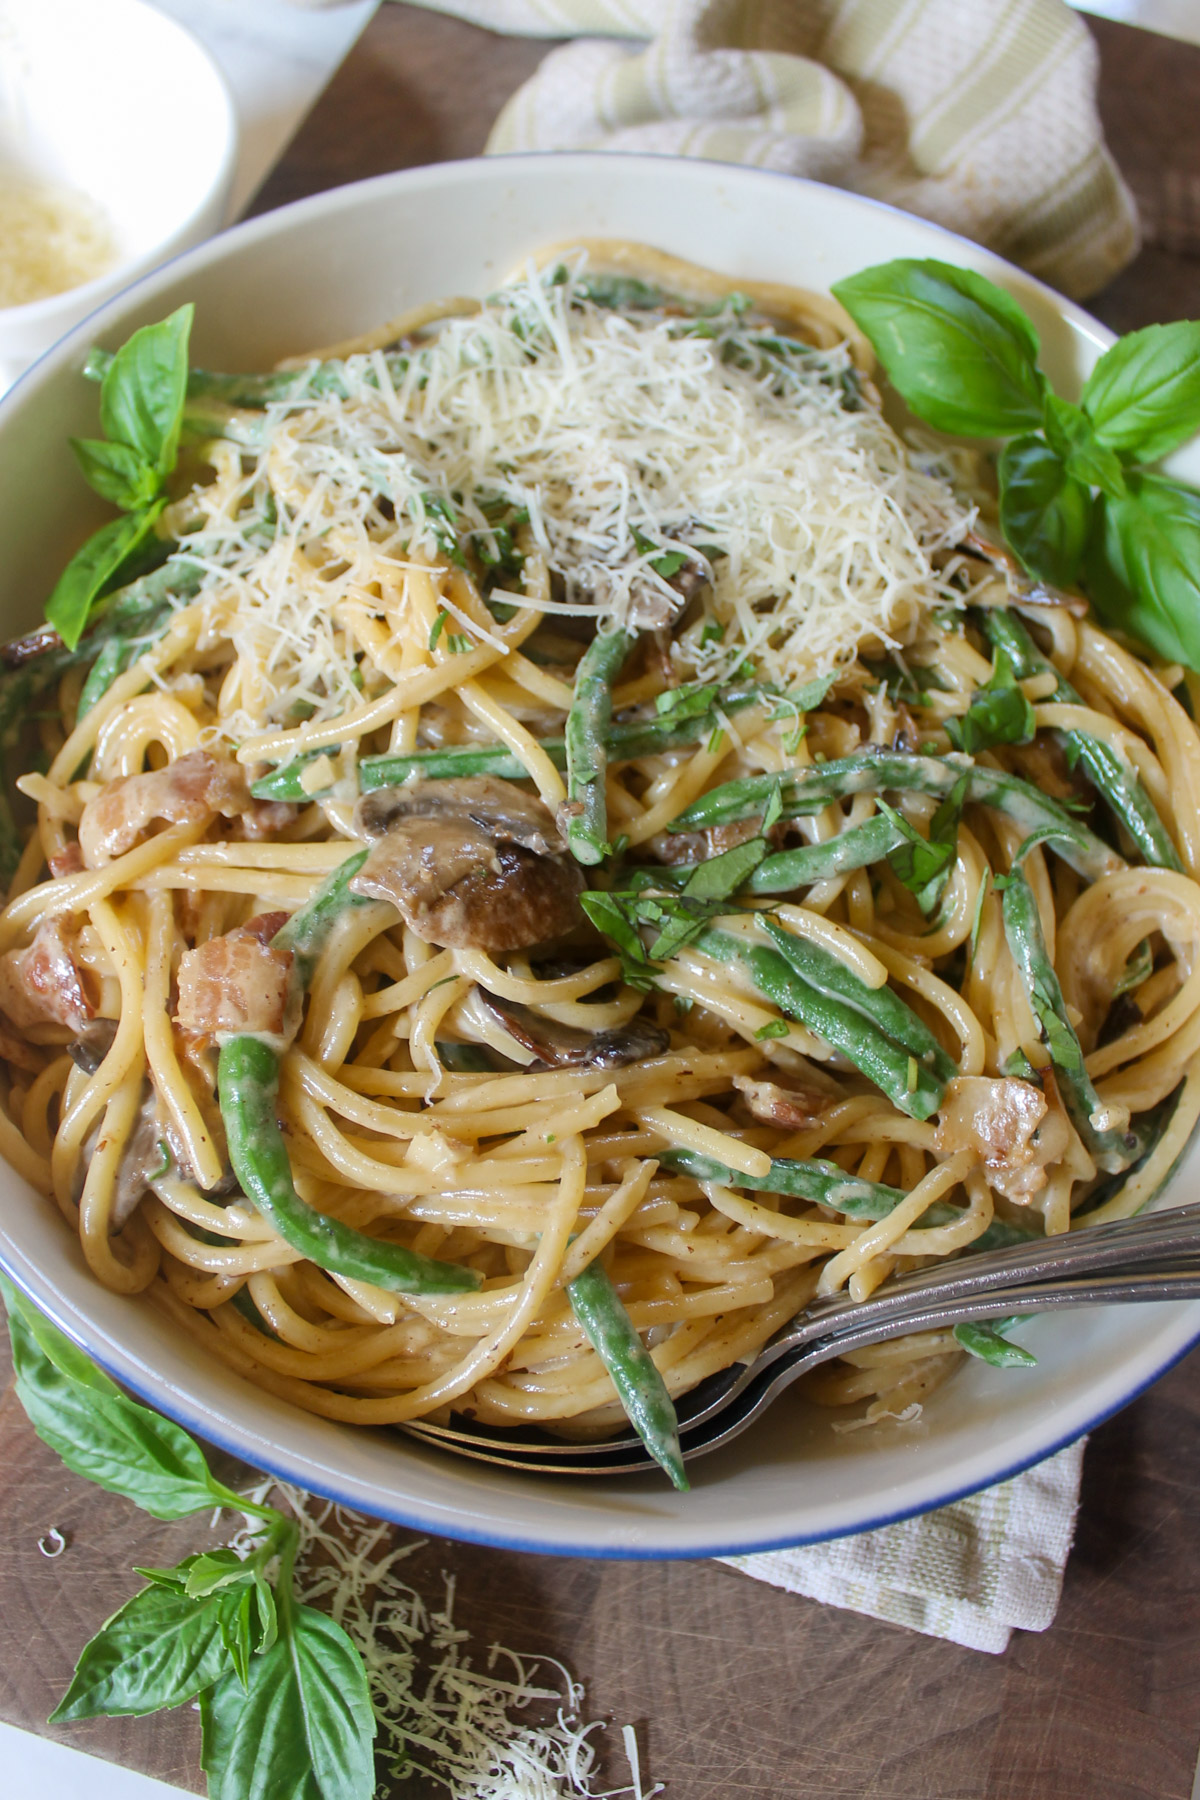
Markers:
(326, 269)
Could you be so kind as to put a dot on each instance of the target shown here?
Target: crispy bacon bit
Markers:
(42, 985)
(1012, 1124)
(267, 818)
(191, 789)
(791, 1109)
(67, 861)
(236, 983)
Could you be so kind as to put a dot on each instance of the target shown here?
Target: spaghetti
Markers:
(862, 965)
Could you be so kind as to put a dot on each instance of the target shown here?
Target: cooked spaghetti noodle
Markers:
(390, 561)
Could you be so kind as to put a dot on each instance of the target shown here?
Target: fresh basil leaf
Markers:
(34, 1340)
(1044, 511)
(112, 1441)
(924, 865)
(97, 365)
(1139, 968)
(303, 1729)
(723, 875)
(92, 568)
(1069, 432)
(956, 348)
(999, 713)
(236, 1629)
(1143, 396)
(1019, 1064)
(144, 388)
(679, 922)
(989, 1344)
(1143, 566)
(690, 701)
(161, 1649)
(117, 472)
(609, 916)
(267, 1624)
(215, 1569)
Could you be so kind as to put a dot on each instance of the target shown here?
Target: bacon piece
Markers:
(267, 818)
(193, 788)
(67, 861)
(1012, 1124)
(236, 983)
(791, 1109)
(41, 985)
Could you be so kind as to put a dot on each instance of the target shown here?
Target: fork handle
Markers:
(937, 1314)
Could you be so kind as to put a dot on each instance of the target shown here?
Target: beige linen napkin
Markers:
(972, 1572)
(979, 114)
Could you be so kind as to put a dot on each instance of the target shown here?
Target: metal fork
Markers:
(1154, 1257)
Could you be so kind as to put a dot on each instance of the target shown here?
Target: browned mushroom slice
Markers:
(497, 808)
(471, 864)
(1023, 585)
(568, 1047)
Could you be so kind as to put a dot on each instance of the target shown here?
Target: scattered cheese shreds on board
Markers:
(621, 441)
(439, 1715)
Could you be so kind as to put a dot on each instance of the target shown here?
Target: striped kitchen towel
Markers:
(979, 114)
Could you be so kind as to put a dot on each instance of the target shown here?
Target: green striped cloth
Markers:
(979, 114)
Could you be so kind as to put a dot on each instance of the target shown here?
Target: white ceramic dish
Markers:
(116, 100)
(317, 272)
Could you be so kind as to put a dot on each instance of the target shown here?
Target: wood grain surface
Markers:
(740, 1692)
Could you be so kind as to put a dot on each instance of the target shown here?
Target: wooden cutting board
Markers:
(739, 1691)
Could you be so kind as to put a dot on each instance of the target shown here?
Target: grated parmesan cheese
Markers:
(51, 238)
(620, 436)
(440, 1716)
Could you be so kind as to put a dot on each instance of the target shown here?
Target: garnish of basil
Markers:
(284, 1701)
(1076, 495)
(143, 388)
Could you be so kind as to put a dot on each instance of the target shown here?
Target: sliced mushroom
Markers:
(568, 1046)
(1021, 584)
(470, 864)
(498, 808)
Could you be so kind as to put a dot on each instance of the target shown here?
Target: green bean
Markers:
(810, 790)
(307, 931)
(248, 1090)
(906, 1080)
(631, 738)
(821, 1183)
(587, 724)
(856, 848)
(248, 1085)
(640, 1388)
(1109, 773)
(1110, 1150)
(827, 972)
(115, 655)
(314, 381)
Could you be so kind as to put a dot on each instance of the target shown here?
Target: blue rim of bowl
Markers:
(194, 1418)
(196, 1421)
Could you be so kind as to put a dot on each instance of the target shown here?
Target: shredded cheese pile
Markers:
(620, 435)
(439, 1716)
(51, 238)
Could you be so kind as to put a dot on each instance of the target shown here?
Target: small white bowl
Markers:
(115, 100)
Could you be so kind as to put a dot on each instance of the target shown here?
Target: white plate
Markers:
(320, 271)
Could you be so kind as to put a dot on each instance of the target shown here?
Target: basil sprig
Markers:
(1076, 497)
(142, 393)
(284, 1702)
